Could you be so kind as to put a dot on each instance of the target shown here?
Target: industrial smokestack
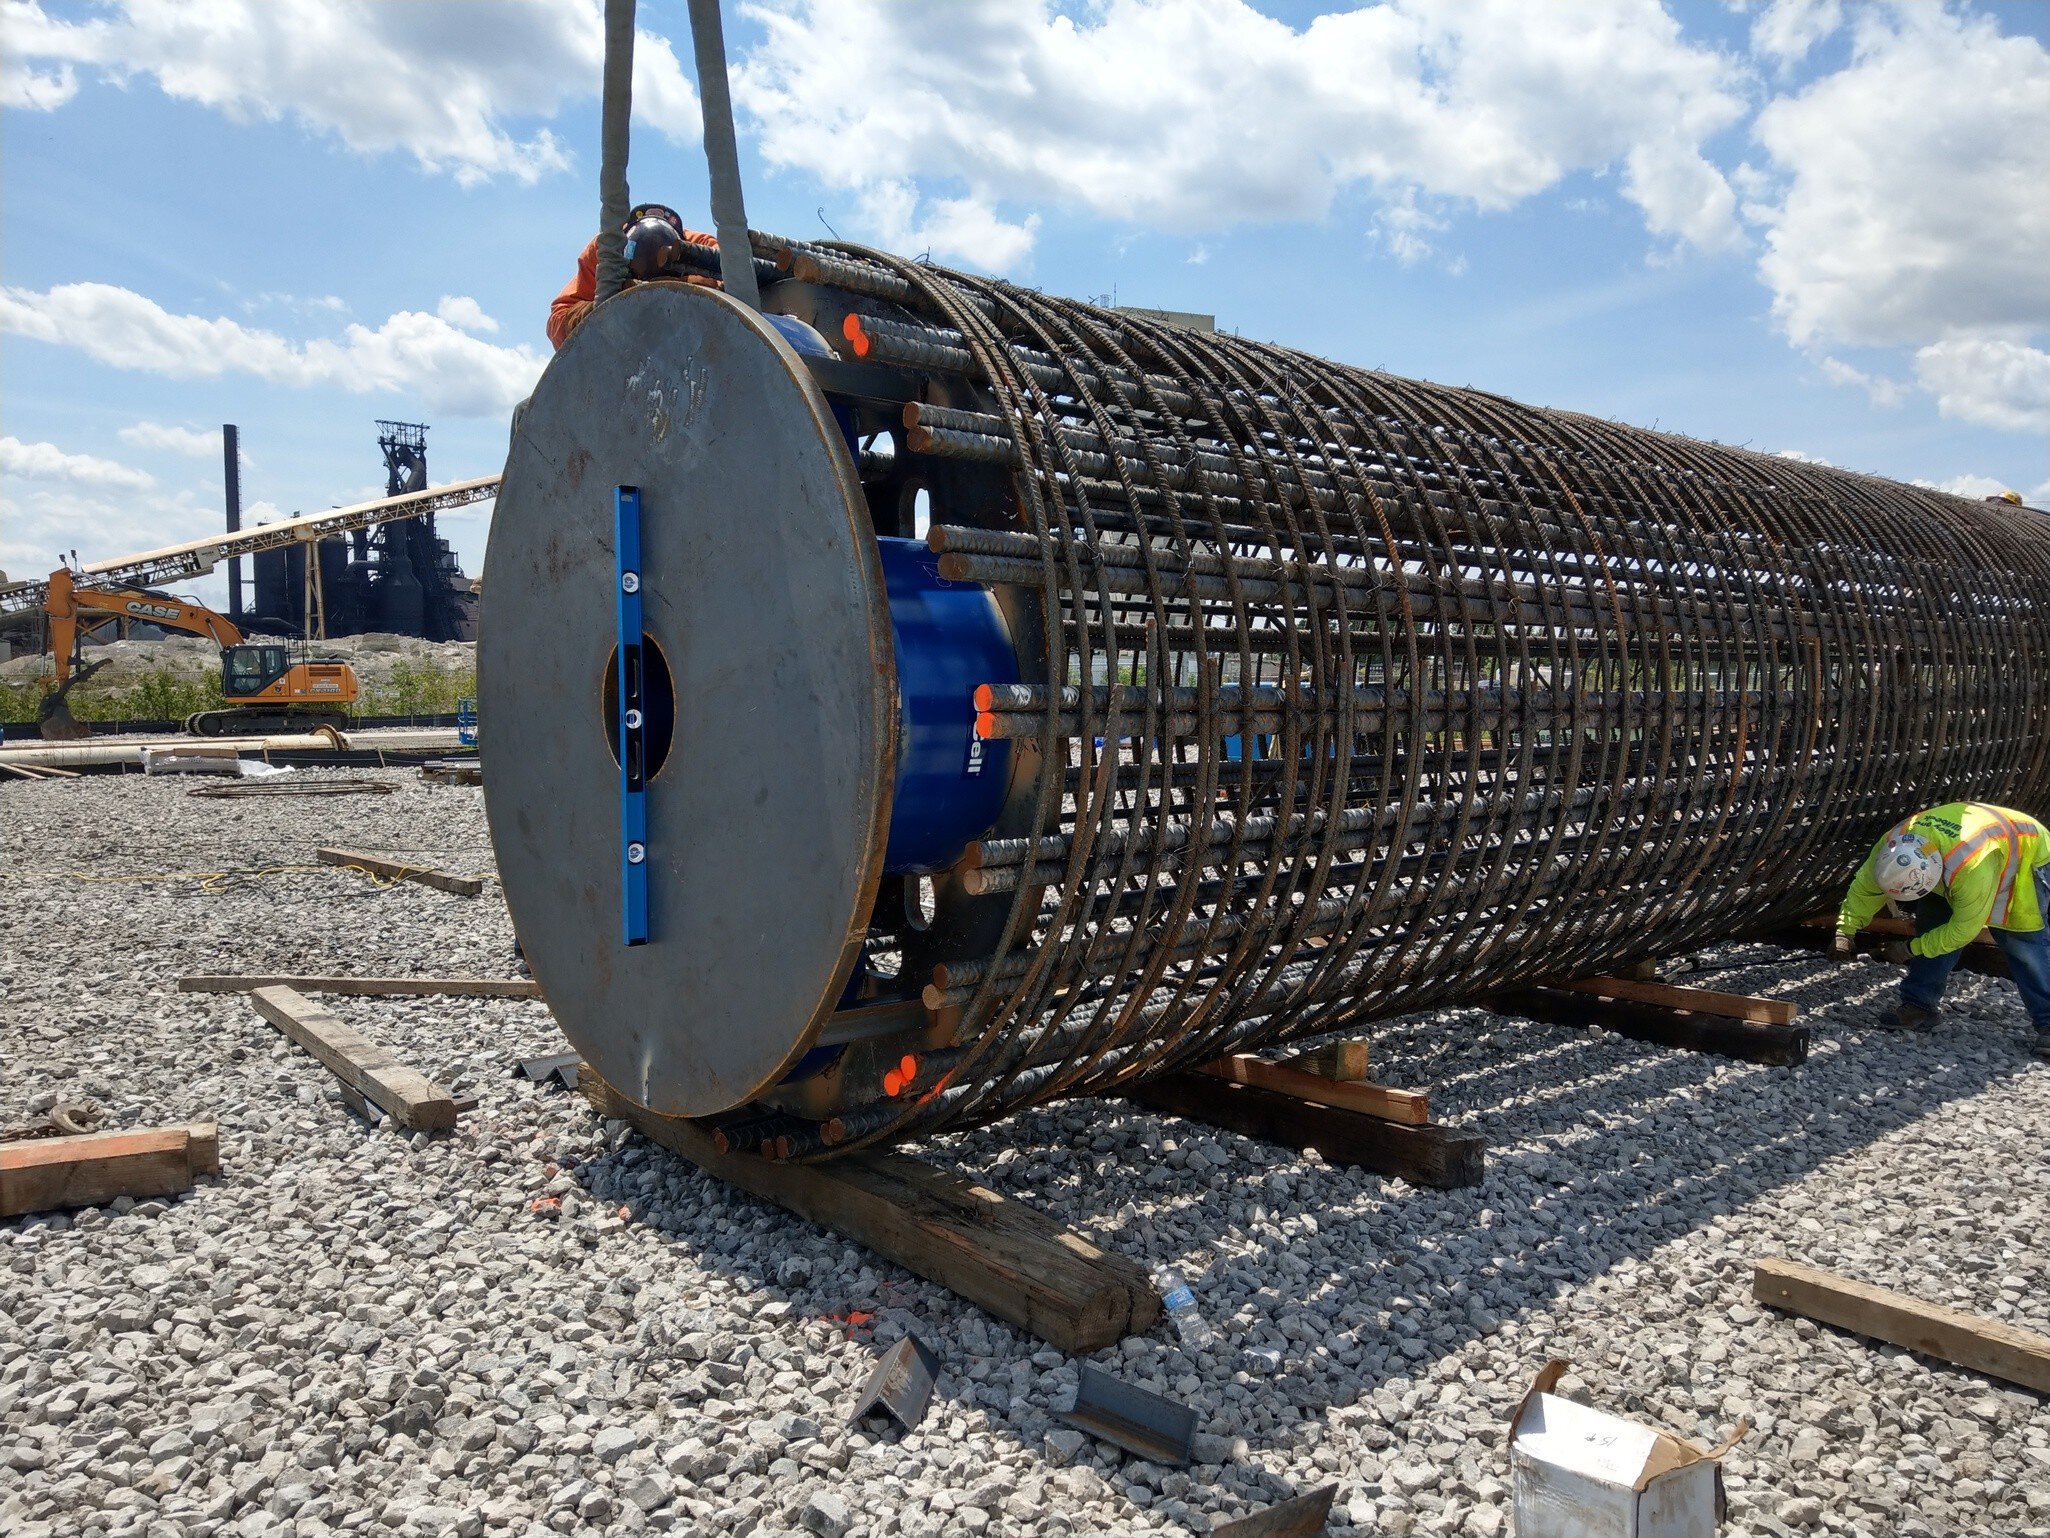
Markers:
(231, 467)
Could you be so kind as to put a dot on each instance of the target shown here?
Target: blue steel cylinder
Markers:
(950, 638)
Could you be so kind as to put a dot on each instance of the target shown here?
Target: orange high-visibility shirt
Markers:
(583, 288)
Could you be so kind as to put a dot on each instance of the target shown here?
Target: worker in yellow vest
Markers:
(1960, 868)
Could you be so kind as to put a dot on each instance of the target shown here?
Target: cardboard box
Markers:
(1579, 1472)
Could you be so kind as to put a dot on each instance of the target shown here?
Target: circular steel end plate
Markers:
(762, 588)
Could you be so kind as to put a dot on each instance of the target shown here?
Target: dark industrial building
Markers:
(400, 578)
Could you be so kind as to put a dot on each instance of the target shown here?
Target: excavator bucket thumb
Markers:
(54, 714)
(57, 721)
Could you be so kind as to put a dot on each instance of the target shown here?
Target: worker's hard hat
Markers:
(662, 211)
(650, 246)
(2007, 496)
(1908, 868)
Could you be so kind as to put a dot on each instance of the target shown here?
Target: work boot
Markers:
(1907, 1017)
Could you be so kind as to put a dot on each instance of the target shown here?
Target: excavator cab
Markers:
(247, 670)
(271, 686)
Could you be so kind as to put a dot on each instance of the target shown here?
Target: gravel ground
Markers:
(542, 1324)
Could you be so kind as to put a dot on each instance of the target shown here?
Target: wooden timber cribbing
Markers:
(410, 1098)
(1949, 1334)
(997, 1253)
(1776, 1045)
(1428, 1155)
(1981, 955)
(45, 1173)
(1409, 1106)
(398, 870)
(1699, 1001)
(368, 987)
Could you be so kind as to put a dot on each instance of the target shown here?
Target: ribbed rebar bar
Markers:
(1363, 694)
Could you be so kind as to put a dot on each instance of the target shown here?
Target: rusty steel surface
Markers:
(1363, 695)
(1347, 695)
(768, 805)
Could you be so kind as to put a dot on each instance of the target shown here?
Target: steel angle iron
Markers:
(1027, 697)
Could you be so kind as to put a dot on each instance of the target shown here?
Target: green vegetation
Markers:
(417, 689)
(157, 695)
(160, 694)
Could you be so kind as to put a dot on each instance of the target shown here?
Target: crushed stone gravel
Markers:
(541, 1324)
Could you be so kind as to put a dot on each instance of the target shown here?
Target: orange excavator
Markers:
(266, 685)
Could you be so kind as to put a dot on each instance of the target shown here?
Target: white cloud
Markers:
(412, 354)
(1799, 457)
(1991, 381)
(46, 462)
(464, 313)
(52, 500)
(192, 442)
(967, 229)
(1404, 230)
(32, 91)
(1906, 197)
(1883, 392)
(41, 521)
(1197, 115)
(1786, 29)
(1903, 207)
(1973, 486)
(458, 85)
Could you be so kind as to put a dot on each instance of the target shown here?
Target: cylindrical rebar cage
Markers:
(1331, 695)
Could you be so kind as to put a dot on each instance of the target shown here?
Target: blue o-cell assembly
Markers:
(950, 639)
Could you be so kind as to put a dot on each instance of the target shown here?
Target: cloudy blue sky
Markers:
(1805, 226)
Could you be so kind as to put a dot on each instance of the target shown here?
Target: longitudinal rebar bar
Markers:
(1362, 694)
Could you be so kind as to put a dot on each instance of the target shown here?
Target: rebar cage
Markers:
(1341, 695)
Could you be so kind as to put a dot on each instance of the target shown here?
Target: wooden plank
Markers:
(410, 1099)
(1428, 1156)
(1776, 1045)
(45, 1174)
(368, 987)
(203, 1147)
(999, 1254)
(1883, 924)
(1701, 1001)
(1345, 1060)
(398, 870)
(1949, 1334)
(1411, 1107)
(1982, 955)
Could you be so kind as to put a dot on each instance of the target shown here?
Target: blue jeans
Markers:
(2028, 963)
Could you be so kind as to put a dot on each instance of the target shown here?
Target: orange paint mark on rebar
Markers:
(851, 329)
(985, 696)
(907, 1068)
(985, 724)
(893, 1083)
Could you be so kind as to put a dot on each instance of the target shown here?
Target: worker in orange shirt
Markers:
(654, 238)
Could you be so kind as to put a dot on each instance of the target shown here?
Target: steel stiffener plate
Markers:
(763, 590)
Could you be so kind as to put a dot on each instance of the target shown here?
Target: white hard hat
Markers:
(1908, 868)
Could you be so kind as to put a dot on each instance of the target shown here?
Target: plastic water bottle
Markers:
(1180, 1304)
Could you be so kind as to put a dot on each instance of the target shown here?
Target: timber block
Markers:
(1426, 1155)
(997, 1253)
(1776, 1045)
(47, 1173)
